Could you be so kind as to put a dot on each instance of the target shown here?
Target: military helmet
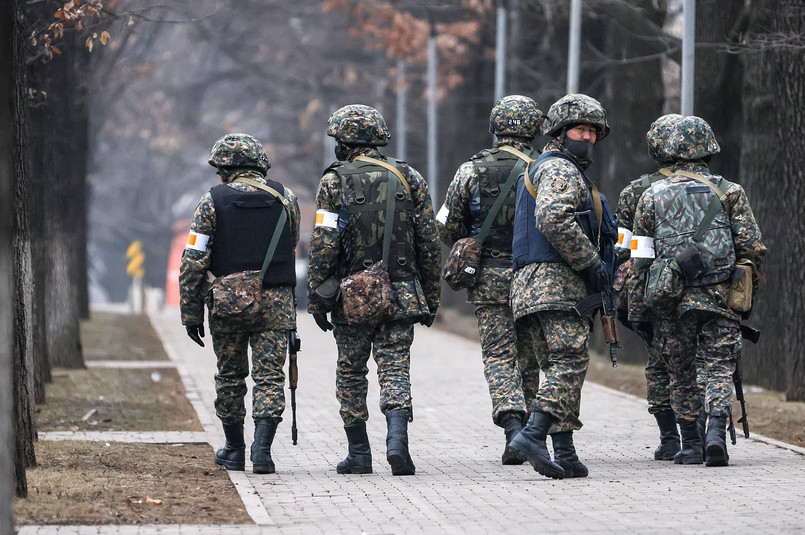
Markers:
(357, 124)
(574, 109)
(239, 151)
(515, 115)
(691, 139)
(658, 133)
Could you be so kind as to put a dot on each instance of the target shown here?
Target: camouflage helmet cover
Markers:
(691, 139)
(573, 109)
(658, 133)
(239, 151)
(515, 115)
(357, 124)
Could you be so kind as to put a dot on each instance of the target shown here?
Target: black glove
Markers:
(196, 333)
(427, 321)
(321, 321)
(596, 276)
(644, 330)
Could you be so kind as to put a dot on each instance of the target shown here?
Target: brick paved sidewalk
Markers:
(460, 486)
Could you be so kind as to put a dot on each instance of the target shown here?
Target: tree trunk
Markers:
(7, 121)
(773, 148)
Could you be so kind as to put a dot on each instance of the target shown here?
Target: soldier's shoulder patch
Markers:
(559, 184)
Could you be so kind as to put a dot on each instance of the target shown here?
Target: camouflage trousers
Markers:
(658, 393)
(268, 358)
(561, 346)
(391, 343)
(716, 342)
(500, 353)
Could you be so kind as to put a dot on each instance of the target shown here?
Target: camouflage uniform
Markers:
(514, 120)
(417, 299)
(240, 157)
(701, 324)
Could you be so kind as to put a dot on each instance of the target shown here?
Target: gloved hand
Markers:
(644, 330)
(596, 276)
(428, 320)
(196, 333)
(321, 321)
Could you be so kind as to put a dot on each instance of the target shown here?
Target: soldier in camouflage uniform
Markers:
(556, 265)
(230, 233)
(348, 236)
(700, 318)
(515, 120)
(657, 379)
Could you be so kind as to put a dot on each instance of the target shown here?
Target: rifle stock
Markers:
(587, 308)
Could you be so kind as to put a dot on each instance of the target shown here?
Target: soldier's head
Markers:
(238, 151)
(578, 122)
(515, 116)
(658, 134)
(357, 125)
(691, 139)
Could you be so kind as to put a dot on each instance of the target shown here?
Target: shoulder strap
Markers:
(504, 191)
(385, 165)
(251, 182)
(275, 238)
(713, 208)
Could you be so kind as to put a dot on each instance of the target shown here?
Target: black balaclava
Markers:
(582, 150)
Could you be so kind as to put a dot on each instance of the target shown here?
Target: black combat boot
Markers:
(716, 441)
(564, 453)
(512, 425)
(233, 455)
(530, 443)
(691, 452)
(264, 431)
(397, 444)
(669, 436)
(359, 455)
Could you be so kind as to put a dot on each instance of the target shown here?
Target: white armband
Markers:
(624, 238)
(197, 242)
(326, 219)
(642, 247)
(441, 217)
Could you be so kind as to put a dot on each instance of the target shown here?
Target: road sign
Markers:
(136, 258)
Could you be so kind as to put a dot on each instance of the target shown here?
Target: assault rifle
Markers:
(753, 335)
(294, 345)
(587, 308)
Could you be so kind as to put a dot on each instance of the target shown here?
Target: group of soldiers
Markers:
(668, 258)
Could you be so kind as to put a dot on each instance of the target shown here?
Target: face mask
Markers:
(582, 150)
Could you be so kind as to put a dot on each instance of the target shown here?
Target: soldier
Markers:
(350, 234)
(561, 225)
(657, 393)
(691, 231)
(237, 228)
(474, 193)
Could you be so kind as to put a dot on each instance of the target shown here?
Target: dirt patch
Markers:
(122, 483)
(769, 413)
(99, 483)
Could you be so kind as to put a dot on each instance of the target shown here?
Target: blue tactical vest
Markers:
(529, 245)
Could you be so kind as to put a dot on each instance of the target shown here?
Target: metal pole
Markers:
(500, 51)
(574, 45)
(401, 120)
(688, 56)
(432, 126)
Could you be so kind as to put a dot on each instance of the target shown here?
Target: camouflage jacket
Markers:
(279, 306)
(540, 286)
(746, 237)
(326, 254)
(454, 222)
(627, 204)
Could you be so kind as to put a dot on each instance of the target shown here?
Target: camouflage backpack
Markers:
(692, 228)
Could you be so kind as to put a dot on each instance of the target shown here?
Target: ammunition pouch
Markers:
(691, 263)
(664, 284)
(236, 302)
(463, 264)
(739, 298)
(367, 296)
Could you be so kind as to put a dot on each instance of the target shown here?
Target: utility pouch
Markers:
(327, 293)
(237, 300)
(740, 294)
(664, 284)
(463, 264)
(367, 296)
(690, 263)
